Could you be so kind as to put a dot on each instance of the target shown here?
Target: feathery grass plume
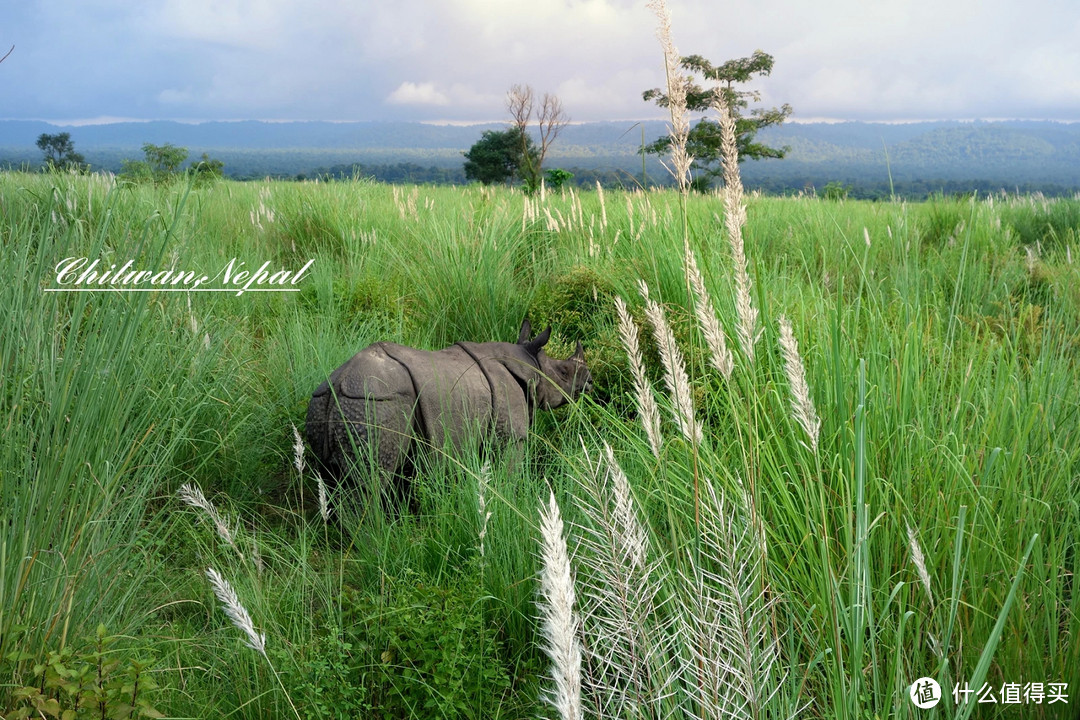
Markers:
(676, 85)
(631, 639)
(298, 451)
(256, 556)
(719, 354)
(298, 463)
(1031, 259)
(238, 614)
(485, 514)
(726, 607)
(646, 402)
(919, 561)
(734, 220)
(802, 405)
(559, 620)
(324, 502)
(235, 611)
(193, 496)
(675, 377)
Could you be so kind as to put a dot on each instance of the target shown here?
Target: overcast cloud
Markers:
(454, 59)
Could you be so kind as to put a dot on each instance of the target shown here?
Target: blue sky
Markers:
(453, 60)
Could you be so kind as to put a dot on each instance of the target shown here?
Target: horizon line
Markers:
(813, 120)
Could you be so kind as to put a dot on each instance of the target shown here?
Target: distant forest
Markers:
(865, 160)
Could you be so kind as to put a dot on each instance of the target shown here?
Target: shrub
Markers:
(331, 683)
(578, 304)
(1050, 224)
(433, 653)
(107, 682)
(556, 178)
(944, 221)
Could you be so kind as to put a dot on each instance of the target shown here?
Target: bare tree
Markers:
(551, 119)
(519, 103)
(2, 59)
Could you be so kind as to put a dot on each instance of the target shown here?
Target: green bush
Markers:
(433, 652)
(580, 305)
(942, 223)
(100, 682)
(331, 683)
(1049, 223)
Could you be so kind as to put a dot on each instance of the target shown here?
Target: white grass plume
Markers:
(675, 377)
(236, 612)
(802, 405)
(191, 495)
(676, 85)
(324, 502)
(631, 638)
(481, 501)
(603, 206)
(726, 616)
(320, 486)
(919, 560)
(719, 354)
(734, 220)
(643, 392)
(559, 620)
(298, 450)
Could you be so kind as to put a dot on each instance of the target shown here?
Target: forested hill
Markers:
(1010, 154)
(919, 156)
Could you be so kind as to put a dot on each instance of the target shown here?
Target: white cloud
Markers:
(455, 59)
(410, 93)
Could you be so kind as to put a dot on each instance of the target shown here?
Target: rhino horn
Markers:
(579, 352)
(525, 332)
(533, 346)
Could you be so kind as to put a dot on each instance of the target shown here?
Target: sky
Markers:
(77, 61)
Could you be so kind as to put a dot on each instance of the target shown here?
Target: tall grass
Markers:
(95, 410)
(940, 365)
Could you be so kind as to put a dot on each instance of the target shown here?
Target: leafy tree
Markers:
(164, 159)
(59, 151)
(557, 178)
(703, 142)
(161, 164)
(550, 119)
(207, 170)
(499, 155)
(836, 190)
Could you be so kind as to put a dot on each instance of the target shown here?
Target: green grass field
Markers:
(941, 344)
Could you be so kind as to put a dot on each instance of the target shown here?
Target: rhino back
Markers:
(509, 370)
(454, 397)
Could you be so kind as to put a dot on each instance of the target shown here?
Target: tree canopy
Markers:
(499, 155)
(59, 151)
(703, 142)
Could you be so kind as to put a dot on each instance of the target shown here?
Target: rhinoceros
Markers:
(388, 399)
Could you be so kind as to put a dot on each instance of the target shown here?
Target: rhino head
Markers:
(559, 381)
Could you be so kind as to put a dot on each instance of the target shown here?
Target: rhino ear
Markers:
(534, 346)
(524, 332)
(579, 352)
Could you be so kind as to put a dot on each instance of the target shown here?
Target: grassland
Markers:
(940, 344)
